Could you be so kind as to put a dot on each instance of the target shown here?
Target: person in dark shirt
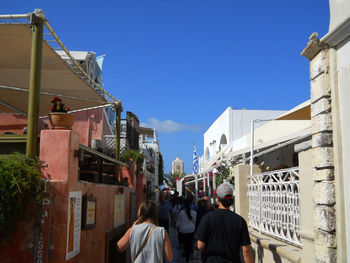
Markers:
(165, 211)
(222, 234)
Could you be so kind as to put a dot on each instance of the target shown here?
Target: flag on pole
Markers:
(195, 171)
(195, 161)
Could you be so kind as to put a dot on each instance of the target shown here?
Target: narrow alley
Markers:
(196, 258)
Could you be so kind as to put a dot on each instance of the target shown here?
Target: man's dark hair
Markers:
(188, 202)
(226, 202)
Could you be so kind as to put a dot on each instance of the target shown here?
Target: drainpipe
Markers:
(37, 24)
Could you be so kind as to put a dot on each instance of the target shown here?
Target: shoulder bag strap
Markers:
(144, 243)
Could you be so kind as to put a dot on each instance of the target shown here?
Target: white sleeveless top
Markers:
(154, 249)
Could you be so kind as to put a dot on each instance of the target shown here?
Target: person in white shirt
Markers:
(186, 224)
(147, 241)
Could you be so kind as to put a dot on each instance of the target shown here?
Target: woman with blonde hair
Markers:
(148, 242)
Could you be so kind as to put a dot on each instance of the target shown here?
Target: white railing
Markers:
(274, 204)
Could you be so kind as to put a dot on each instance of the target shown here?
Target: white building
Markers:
(149, 145)
(231, 125)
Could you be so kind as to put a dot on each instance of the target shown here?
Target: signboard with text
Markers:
(119, 217)
(73, 224)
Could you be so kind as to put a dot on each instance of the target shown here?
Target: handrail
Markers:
(14, 138)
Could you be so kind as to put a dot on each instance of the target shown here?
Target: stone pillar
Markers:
(306, 202)
(241, 173)
(322, 151)
(57, 149)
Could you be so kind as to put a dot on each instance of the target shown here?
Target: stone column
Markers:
(307, 235)
(322, 151)
(241, 173)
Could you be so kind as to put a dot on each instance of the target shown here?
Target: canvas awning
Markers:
(209, 166)
(57, 79)
(300, 112)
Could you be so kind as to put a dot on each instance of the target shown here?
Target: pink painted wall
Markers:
(89, 124)
(140, 186)
(129, 173)
(64, 175)
(16, 123)
(57, 151)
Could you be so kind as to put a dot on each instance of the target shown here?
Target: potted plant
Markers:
(59, 118)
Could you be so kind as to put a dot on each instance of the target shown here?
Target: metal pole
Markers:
(208, 182)
(19, 16)
(34, 84)
(251, 146)
(204, 182)
(117, 130)
(118, 110)
(214, 181)
(196, 186)
(252, 166)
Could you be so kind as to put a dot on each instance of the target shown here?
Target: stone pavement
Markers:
(196, 258)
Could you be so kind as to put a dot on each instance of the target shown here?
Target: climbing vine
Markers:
(132, 155)
(223, 173)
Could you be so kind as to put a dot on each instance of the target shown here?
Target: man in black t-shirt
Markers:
(222, 233)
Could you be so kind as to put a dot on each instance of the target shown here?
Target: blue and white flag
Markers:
(99, 61)
(195, 161)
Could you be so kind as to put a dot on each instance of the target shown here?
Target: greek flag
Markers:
(195, 161)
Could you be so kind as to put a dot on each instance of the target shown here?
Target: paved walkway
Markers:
(178, 252)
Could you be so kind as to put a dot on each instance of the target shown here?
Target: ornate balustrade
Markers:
(274, 204)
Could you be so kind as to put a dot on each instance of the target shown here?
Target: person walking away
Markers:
(223, 234)
(176, 211)
(148, 242)
(203, 208)
(165, 211)
(186, 224)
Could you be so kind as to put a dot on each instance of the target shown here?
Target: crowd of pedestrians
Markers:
(219, 233)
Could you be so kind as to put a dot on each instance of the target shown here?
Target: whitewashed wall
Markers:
(234, 124)
(343, 66)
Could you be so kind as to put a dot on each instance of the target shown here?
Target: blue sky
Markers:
(178, 64)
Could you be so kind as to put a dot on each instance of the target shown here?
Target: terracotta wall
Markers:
(89, 124)
(140, 188)
(16, 123)
(57, 149)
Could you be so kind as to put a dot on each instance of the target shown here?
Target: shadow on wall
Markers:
(259, 254)
(276, 257)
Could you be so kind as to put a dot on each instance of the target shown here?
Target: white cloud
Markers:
(169, 126)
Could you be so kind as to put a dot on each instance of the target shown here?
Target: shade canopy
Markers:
(57, 79)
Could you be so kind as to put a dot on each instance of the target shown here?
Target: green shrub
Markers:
(20, 185)
(132, 155)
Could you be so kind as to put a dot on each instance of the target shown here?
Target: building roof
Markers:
(149, 132)
(292, 126)
(300, 112)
